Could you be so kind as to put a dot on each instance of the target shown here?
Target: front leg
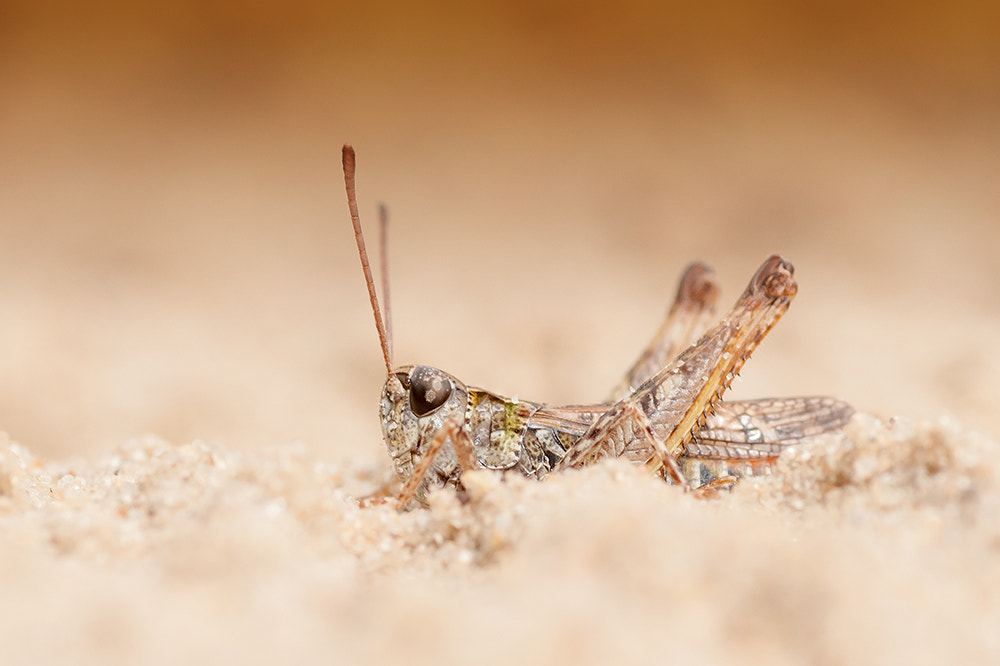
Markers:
(462, 446)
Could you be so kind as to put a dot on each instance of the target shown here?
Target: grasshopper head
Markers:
(417, 402)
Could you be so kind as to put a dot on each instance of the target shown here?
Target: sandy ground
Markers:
(879, 547)
(190, 373)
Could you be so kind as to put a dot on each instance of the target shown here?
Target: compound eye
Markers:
(429, 389)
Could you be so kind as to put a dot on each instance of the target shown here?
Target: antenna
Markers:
(383, 219)
(352, 204)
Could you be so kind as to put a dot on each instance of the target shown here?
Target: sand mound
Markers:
(877, 546)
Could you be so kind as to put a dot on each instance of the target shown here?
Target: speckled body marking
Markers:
(503, 435)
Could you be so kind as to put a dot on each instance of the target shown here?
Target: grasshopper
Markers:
(666, 414)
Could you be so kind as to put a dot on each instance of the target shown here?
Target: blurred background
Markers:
(177, 256)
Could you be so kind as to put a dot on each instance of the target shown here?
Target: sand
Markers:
(878, 546)
(189, 374)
